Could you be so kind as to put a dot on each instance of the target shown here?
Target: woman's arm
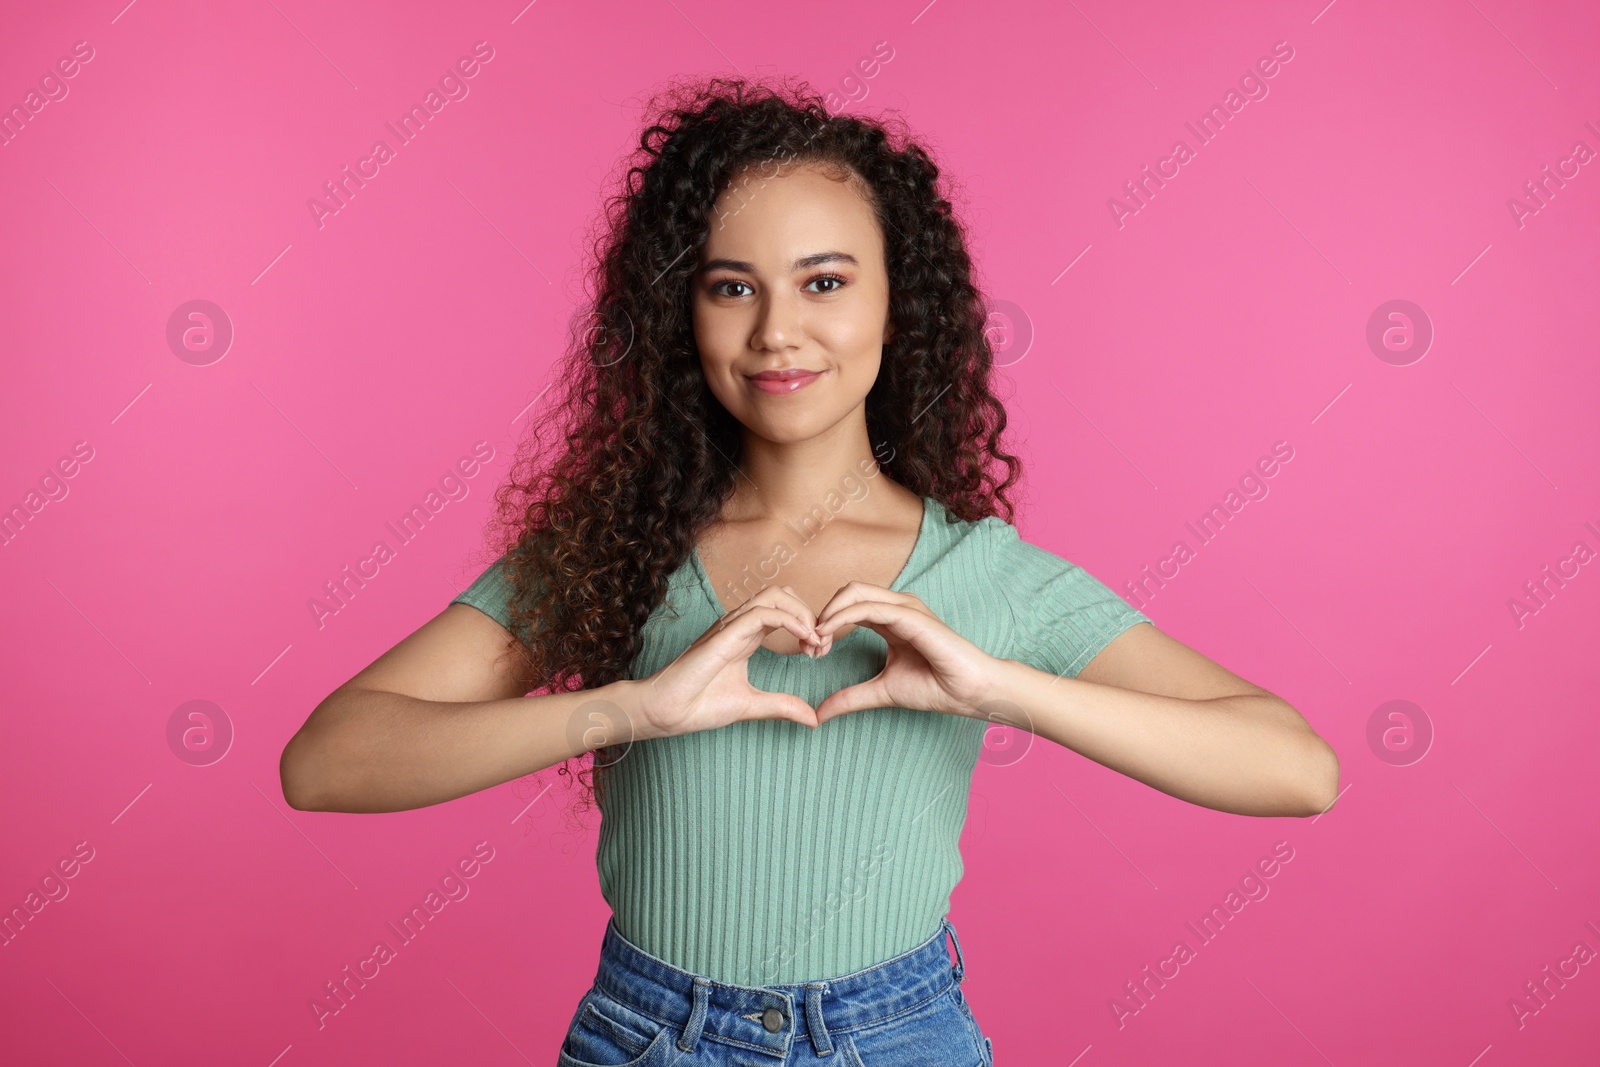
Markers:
(1156, 710)
(440, 715)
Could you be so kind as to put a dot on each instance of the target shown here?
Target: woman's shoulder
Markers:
(993, 552)
(993, 537)
(1020, 566)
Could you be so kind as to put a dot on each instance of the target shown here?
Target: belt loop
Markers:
(960, 969)
(819, 1031)
(697, 1015)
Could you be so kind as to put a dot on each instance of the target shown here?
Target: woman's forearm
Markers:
(1248, 754)
(366, 750)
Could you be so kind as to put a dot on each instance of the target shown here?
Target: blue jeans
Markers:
(904, 1012)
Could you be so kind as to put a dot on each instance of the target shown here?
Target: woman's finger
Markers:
(879, 615)
(854, 592)
(777, 596)
(760, 621)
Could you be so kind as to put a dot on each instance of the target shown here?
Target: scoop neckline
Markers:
(917, 546)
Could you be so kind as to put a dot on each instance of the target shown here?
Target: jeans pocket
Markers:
(606, 1033)
(984, 1046)
(939, 1031)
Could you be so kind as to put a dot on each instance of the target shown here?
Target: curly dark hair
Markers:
(650, 454)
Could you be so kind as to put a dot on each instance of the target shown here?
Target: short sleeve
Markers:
(490, 593)
(1064, 615)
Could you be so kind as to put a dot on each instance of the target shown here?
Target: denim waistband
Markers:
(738, 1014)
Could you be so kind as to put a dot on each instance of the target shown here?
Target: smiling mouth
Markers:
(781, 375)
(783, 381)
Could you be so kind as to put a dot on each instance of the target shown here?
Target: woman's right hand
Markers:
(708, 684)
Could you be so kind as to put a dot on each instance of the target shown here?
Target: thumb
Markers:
(770, 705)
(858, 697)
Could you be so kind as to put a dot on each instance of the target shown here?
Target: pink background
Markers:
(1229, 313)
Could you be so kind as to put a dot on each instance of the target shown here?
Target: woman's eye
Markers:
(834, 280)
(827, 278)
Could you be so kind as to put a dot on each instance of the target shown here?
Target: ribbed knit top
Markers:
(767, 852)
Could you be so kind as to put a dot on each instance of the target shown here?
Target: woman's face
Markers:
(791, 278)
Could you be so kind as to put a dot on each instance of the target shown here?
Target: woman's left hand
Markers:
(930, 667)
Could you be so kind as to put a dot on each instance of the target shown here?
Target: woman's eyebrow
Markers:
(803, 263)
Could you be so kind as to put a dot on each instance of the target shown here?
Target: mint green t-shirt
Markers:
(767, 852)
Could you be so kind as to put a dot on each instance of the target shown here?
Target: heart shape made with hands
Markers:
(929, 667)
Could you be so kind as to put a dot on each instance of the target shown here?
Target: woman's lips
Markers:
(783, 382)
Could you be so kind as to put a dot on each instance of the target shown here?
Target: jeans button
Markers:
(772, 1019)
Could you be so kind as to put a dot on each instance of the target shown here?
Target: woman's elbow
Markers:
(295, 779)
(1320, 783)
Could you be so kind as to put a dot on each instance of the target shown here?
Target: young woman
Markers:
(765, 586)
